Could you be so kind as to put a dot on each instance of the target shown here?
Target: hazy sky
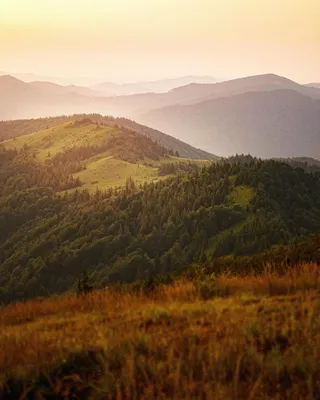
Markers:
(129, 40)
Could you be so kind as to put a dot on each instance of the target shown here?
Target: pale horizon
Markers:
(124, 41)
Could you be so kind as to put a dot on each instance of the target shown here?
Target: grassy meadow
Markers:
(107, 171)
(230, 337)
(48, 142)
(104, 170)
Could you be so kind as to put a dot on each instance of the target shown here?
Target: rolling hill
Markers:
(275, 123)
(17, 128)
(97, 156)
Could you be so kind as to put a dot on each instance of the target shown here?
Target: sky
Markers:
(134, 40)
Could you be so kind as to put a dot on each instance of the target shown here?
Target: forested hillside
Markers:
(240, 206)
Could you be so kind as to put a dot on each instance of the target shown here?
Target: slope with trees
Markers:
(138, 232)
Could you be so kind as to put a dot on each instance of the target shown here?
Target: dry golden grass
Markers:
(257, 343)
(301, 278)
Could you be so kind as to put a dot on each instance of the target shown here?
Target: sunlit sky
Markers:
(130, 40)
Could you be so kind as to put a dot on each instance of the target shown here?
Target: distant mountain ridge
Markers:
(315, 84)
(25, 100)
(59, 89)
(279, 123)
(256, 83)
(117, 89)
(159, 86)
(266, 115)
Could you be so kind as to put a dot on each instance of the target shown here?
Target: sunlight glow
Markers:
(161, 37)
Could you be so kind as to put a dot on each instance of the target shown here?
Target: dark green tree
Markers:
(84, 284)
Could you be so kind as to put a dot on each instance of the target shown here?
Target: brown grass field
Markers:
(256, 337)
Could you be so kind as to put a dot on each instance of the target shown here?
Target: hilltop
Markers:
(96, 156)
(17, 128)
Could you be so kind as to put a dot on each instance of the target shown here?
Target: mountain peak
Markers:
(10, 79)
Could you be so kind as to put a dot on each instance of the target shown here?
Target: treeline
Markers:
(20, 169)
(308, 164)
(138, 232)
(279, 258)
(176, 168)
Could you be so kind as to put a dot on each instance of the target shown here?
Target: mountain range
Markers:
(280, 123)
(116, 89)
(266, 115)
(159, 86)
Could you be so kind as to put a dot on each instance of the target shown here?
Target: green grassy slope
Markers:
(118, 157)
(106, 172)
(48, 142)
(11, 129)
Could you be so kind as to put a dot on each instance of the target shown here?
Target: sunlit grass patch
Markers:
(169, 343)
(241, 195)
(47, 143)
(106, 172)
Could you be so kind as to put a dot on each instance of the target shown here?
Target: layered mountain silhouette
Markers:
(116, 89)
(159, 86)
(266, 115)
(59, 89)
(279, 123)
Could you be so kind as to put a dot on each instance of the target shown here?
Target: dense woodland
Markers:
(48, 239)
